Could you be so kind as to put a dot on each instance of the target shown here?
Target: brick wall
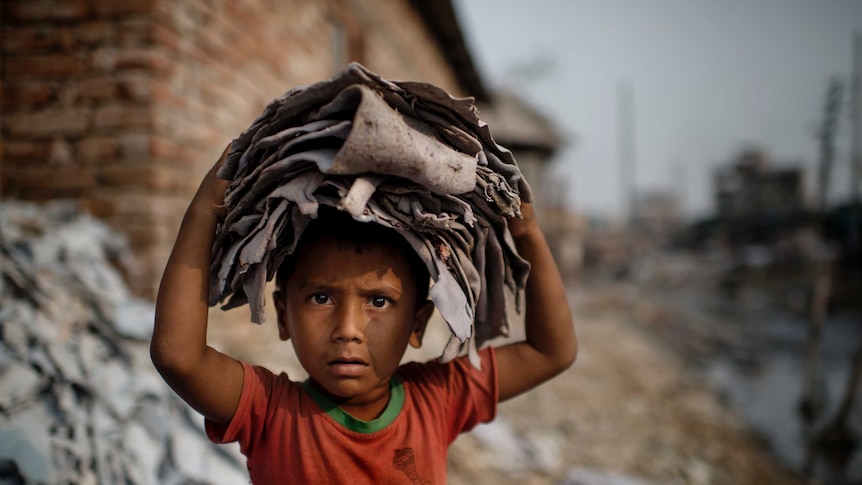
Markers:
(123, 105)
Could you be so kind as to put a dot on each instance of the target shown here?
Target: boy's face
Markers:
(350, 313)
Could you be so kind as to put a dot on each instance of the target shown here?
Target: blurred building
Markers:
(123, 105)
(756, 201)
(656, 217)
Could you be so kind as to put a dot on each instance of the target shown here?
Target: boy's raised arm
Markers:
(208, 380)
(551, 344)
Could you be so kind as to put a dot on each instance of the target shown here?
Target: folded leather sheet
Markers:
(405, 155)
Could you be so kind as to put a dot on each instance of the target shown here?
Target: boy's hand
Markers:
(526, 224)
(210, 194)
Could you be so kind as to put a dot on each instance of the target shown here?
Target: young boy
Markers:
(350, 299)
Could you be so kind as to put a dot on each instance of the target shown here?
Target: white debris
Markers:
(504, 448)
(79, 400)
(589, 476)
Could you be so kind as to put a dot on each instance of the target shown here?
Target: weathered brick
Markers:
(243, 17)
(5, 189)
(175, 16)
(162, 147)
(110, 59)
(194, 134)
(146, 177)
(29, 94)
(134, 31)
(47, 122)
(146, 285)
(60, 64)
(135, 86)
(24, 150)
(60, 151)
(161, 91)
(48, 9)
(67, 179)
(39, 194)
(92, 33)
(115, 8)
(145, 58)
(138, 204)
(123, 116)
(172, 205)
(134, 145)
(97, 88)
(143, 236)
(198, 56)
(97, 147)
(212, 42)
(28, 39)
(162, 35)
(101, 206)
(126, 175)
(236, 53)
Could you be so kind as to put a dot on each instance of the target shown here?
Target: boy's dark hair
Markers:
(341, 227)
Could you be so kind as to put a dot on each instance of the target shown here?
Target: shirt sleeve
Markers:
(258, 388)
(472, 393)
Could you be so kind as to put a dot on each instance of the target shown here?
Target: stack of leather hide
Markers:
(405, 155)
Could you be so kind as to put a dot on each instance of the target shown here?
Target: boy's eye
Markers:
(320, 298)
(379, 302)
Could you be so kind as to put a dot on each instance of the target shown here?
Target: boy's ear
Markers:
(420, 323)
(281, 313)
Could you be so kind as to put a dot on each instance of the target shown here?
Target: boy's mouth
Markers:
(347, 366)
(347, 360)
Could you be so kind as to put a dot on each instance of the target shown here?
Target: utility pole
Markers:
(813, 401)
(826, 136)
(837, 441)
(856, 143)
(678, 187)
(627, 151)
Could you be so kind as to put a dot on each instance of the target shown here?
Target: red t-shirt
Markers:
(290, 433)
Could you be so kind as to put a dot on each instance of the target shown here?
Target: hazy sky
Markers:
(709, 77)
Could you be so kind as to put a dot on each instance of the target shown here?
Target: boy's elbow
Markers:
(573, 355)
(565, 356)
(161, 360)
(170, 365)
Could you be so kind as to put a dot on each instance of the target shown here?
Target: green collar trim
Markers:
(396, 402)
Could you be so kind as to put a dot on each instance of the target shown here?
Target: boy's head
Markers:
(351, 298)
(340, 226)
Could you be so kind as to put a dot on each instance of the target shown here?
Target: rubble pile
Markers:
(79, 399)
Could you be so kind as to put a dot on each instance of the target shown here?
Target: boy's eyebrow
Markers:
(394, 290)
(309, 284)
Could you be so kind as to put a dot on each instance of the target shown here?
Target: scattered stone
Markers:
(79, 400)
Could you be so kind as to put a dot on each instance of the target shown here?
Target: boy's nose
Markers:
(350, 325)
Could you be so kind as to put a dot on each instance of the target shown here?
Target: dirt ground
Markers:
(629, 407)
